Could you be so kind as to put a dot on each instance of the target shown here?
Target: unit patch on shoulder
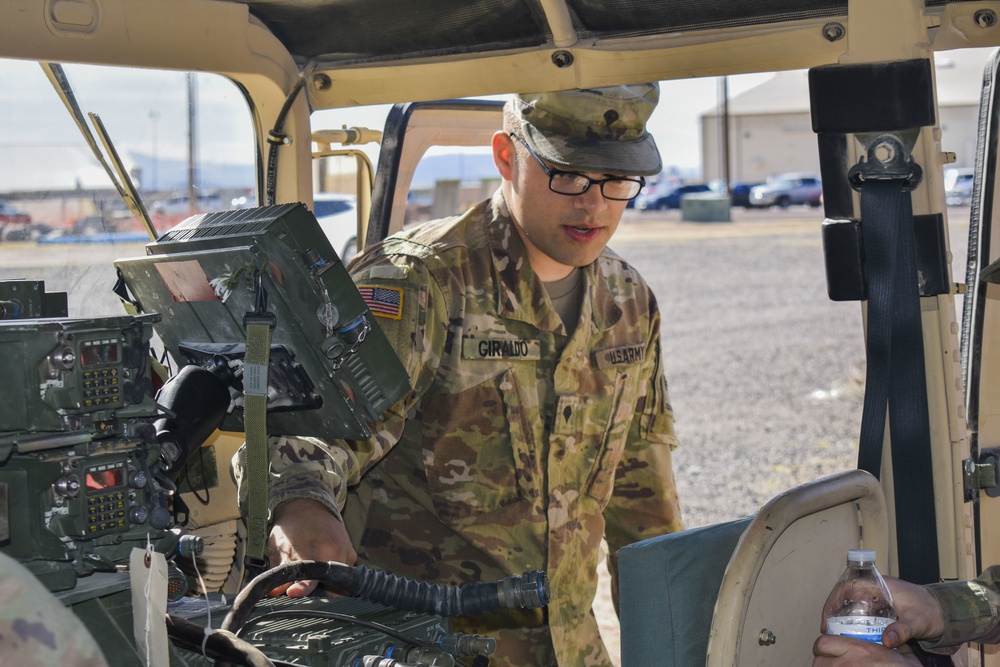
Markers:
(383, 301)
(624, 355)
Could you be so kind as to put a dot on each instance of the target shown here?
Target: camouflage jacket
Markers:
(36, 629)
(519, 448)
(971, 610)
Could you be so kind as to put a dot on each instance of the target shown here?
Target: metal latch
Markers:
(982, 476)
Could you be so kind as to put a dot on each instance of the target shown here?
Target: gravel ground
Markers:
(766, 374)
(763, 368)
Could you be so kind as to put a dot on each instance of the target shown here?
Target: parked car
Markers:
(93, 224)
(11, 215)
(785, 191)
(740, 191)
(14, 222)
(180, 204)
(663, 196)
(958, 186)
(338, 217)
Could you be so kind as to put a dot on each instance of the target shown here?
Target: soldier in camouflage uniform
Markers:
(36, 630)
(539, 421)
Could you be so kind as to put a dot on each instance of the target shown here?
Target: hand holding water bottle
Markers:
(858, 618)
(860, 604)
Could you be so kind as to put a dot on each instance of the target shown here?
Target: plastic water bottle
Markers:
(860, 604)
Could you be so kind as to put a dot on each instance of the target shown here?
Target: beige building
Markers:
(770, 130)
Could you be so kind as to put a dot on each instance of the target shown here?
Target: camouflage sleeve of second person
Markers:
(323, 470)
(971, 611)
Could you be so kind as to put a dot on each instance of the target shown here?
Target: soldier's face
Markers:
(561, 232)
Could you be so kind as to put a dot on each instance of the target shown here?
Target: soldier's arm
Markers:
(309, 477)
(307, 487)
(644, 502)
(307, 530)
(970, 610)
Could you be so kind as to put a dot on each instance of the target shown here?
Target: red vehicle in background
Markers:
(9, 215)
(13, 222)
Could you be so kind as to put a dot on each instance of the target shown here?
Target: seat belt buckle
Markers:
(887, 159)
(260, 314)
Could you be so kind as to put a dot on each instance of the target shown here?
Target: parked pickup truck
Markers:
(787, 190)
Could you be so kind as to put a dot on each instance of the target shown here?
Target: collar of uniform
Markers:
(517, 286)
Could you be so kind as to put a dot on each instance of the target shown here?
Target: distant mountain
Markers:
(172, 174)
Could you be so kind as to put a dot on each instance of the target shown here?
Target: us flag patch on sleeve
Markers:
(383, 301)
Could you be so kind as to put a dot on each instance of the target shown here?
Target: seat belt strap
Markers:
(896, 377)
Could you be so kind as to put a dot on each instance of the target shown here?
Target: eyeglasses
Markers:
(572, 184)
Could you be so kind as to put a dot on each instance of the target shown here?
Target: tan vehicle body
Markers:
(233, 39)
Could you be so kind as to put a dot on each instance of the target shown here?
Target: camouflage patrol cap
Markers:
(595, 129)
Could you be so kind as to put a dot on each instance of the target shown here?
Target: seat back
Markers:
(747, 592)
(667, 587)
(769, 605)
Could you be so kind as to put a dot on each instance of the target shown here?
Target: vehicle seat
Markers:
(777, 569)
(666, 591)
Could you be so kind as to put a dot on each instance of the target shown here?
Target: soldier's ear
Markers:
(504, 155)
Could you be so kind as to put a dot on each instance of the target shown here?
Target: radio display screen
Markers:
(99, 352)
(99, 479)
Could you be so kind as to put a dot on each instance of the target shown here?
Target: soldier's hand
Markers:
(836, 651)
(306, 530)
(918, 611)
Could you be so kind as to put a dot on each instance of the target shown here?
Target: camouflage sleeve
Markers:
(971, 611)
(644, 502)
(36, 628)
(302, 467)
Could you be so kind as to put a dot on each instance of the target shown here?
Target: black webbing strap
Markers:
(895, 377)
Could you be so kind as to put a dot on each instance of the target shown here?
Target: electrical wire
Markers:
(220, 646)
(204, 479)
(276, 138)
(528, 590)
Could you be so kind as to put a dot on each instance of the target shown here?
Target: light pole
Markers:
(154, 116)
(724, 132)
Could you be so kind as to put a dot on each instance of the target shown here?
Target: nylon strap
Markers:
(255, 365)
(895, 377)
(259, 324)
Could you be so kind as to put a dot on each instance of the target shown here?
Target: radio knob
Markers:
(137, 479)
(138, 514)
(68, 486)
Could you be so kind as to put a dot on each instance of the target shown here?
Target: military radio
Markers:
(90, 459)
(81, 480)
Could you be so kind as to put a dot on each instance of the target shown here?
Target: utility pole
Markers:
(154, 116)
(192, 144)
(724, 132)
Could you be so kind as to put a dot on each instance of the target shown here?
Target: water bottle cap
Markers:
(863, 555)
